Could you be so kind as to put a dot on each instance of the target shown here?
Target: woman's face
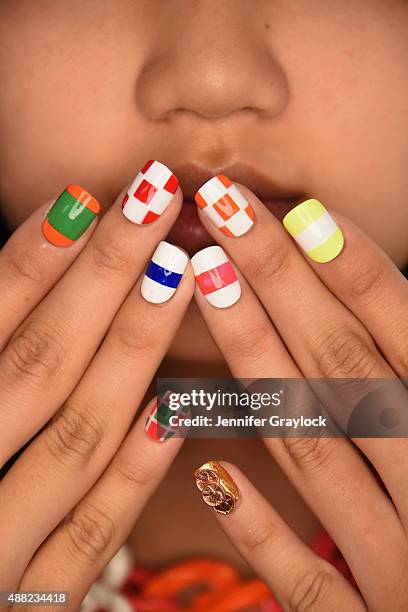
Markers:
(291, 97)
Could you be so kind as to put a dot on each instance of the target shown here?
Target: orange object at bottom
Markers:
(201, 585)
(214, 575)
(209, 586)
(241, 596)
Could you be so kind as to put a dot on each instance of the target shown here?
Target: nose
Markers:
(213, 59)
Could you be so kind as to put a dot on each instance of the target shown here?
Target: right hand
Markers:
(79, 347)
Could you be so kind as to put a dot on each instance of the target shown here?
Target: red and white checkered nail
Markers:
(225, 206)
(150, 193)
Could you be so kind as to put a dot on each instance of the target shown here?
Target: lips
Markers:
(189, 233)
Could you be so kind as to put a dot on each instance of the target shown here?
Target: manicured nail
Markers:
(315, 230)
(163, 273)
(217, 487)
(150, 193)
(226, 207)
(216, 277)
(69, 217)
(163, 422)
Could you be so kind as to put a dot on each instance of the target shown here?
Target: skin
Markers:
(156, 83)
(353, 324)
(313, 98)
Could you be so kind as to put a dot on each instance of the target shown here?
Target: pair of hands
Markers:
(79, 345)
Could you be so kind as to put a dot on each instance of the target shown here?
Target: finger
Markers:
(48, 353)
(345, 496)
(297, 577)
(282, 280)
(366, 281)
(288, 282)
(77, 551)
(319, 468)
(325, 339)
(240, 327)
(30, 265)
(68, 456)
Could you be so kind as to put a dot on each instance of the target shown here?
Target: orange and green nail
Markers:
(71, 214)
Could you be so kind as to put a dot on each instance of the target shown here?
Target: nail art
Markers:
(158, 426)
(163, 273)
(315, 230)
(216, 277)
(226, 207)
(69, 217)
(217, 487)
(150, 193)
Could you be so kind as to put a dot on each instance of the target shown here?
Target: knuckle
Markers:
(134, 475)
(135, 338)
(24, 265)
(311, 591)
(247, 342)
(364, 281)
(90, 531)
(109, 255)
(311, 454)
(258, 539)
(33, 352)
(345, 353)
(272, 262)
(73, 435)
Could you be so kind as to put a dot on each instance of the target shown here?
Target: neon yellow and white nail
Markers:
(315, 230)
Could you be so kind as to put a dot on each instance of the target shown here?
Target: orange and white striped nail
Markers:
(226, 206)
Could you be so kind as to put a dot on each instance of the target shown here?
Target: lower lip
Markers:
(191, 235)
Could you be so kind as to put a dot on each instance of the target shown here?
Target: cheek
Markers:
(366, 163)
(350, 115)
(70, 114)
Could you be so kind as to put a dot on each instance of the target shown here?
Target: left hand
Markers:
(344, 318)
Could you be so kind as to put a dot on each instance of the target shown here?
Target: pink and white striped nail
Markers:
(150, 193)
(216, 277)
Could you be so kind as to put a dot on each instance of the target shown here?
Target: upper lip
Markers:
(193, 176)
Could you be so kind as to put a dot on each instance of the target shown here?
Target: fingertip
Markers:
(217, 486)
(55, 237)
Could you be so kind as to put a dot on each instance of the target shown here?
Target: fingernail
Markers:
(163, 273)
(315, 230)
(163, 421)
(69, 217)
(150, 193)
(217, 487)
(216, 277)
(226, 207)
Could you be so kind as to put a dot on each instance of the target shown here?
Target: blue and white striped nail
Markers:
(163, 273)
